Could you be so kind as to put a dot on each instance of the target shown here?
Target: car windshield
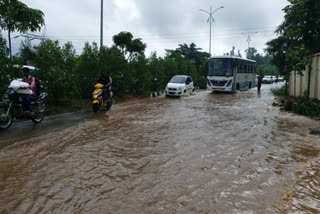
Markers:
(178, 79)
(220, 67)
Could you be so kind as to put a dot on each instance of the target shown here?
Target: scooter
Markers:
(13, 105)
(98, 100)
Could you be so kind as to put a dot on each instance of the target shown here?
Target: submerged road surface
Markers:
(206, 153)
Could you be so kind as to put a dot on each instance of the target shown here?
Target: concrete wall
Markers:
(298, 84)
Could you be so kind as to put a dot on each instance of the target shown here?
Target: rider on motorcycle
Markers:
(106, 81)
(29, 98)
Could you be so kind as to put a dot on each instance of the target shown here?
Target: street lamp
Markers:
(211, 20)
(101, 25)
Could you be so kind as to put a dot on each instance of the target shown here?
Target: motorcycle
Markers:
(98, 99)
(13, 106)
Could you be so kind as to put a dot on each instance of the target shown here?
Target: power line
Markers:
(236, 31)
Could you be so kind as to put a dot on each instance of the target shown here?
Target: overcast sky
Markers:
(162, 24)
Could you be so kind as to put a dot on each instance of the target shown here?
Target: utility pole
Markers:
(211, 20)
(249, 35)
(101, 26)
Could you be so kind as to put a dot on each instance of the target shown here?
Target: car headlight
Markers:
(179, 89)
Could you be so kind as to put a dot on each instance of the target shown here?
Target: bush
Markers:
(279, 92)
(305, 106)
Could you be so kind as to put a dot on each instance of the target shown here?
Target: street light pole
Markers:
(101, 25)
(211, 20)
(249, 35)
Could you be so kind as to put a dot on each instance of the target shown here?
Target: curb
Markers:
(157, 94)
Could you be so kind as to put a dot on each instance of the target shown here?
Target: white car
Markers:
(267, 80)
(179, 85)
(280, 79)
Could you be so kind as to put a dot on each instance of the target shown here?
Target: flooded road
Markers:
(206, 153)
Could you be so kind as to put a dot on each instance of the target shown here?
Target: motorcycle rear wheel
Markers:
(5, 121)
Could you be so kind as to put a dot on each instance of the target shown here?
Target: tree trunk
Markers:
(295, 83)
(9, 39)
(286, 88)
(309, 77)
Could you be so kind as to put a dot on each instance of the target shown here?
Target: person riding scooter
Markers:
(106, 81)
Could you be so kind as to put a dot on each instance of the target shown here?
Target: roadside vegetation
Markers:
(298, 105)
(298, 37)
(68, 77)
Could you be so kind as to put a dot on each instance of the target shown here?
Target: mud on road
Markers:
(205, 153)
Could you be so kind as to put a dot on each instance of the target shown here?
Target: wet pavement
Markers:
(205, 153)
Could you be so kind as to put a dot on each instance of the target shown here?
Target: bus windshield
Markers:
(221, 67)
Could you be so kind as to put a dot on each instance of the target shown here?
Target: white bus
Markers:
(230, 73)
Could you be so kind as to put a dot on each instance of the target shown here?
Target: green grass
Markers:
(307, 107)
(68, 105)
(279, 92)
(298, 105)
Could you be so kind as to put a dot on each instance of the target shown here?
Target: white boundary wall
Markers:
(298, 84)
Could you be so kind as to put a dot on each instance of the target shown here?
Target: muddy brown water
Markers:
(205, 153)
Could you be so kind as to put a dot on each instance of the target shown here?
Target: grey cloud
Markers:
(79, 21)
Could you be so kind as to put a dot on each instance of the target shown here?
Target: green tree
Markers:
(156, 69)
(112, 60)
(251, 53)
(88, 69)
(7, 69)
(140, 77)
(17, 16)
(57, 70)
(298, 36)
(131, 48)
(4, 79)
(27, 54)
(190, 52)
